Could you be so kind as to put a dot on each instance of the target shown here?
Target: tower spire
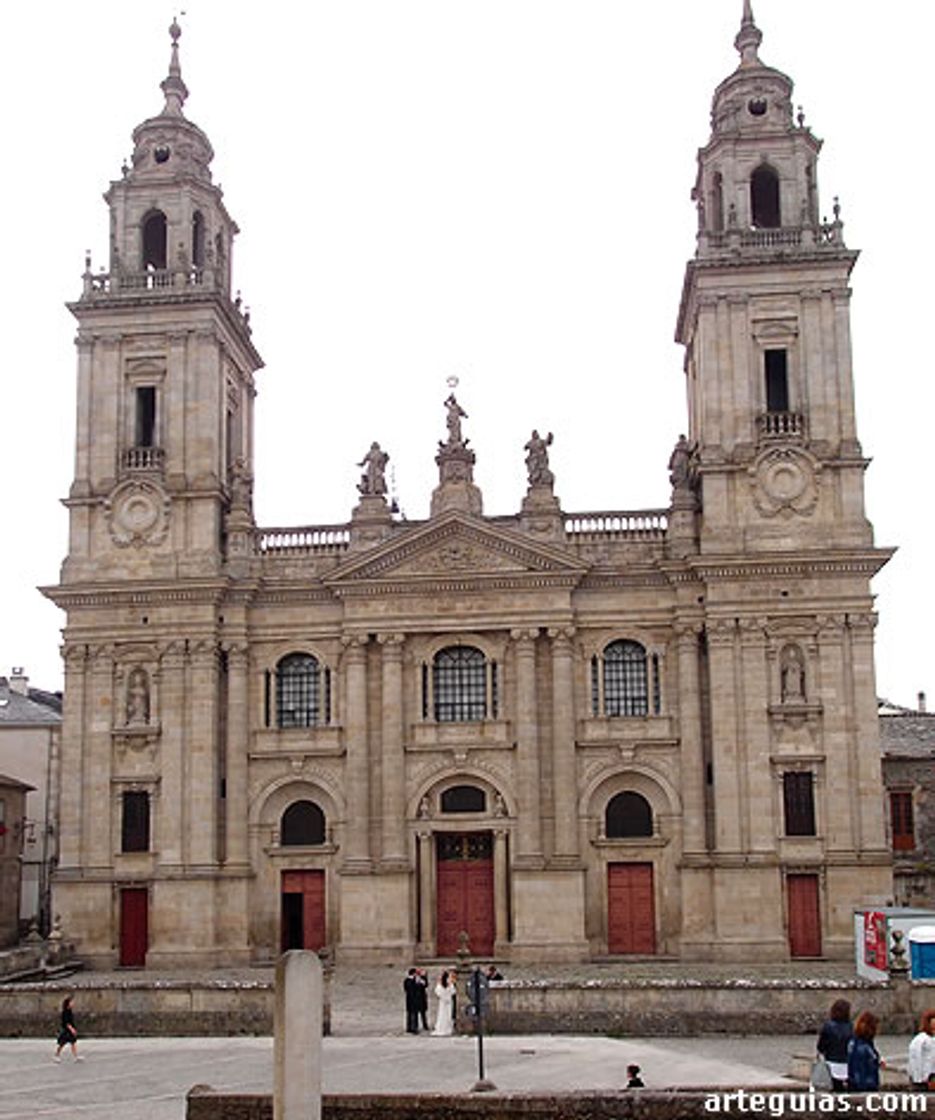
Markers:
(748, 38)
(173, 87)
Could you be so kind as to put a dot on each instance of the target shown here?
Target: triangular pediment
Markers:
(457, 545)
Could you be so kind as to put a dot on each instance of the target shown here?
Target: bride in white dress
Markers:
(445, 994)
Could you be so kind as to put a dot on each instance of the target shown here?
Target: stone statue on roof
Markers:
(373, 480)
(537, 460)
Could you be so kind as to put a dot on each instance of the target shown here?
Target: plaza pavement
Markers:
(369, 1051)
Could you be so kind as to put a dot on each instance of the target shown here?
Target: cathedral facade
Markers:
(542, 736)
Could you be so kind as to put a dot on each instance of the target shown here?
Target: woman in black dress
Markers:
(68, 1034)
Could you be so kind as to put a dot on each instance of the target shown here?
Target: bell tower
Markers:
(166, 363)
(764, 320)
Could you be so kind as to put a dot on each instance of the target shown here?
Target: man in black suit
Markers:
(422, 985)
(411, 988)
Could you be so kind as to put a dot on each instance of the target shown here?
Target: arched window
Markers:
(463, 799)
(298, 691)
(622, 673)
(764, 198)
(303, 823)
(628, 814)
(464, 685)
(154, 240)
(198, 239)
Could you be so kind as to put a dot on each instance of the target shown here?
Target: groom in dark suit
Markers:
(411, 988)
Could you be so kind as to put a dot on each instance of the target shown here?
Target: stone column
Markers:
(864, 747)
(427, 892)
(203, 753)
(529, 830)
(841, 827)
(724, 751)
(394, 763)
(501, 888)
(236, 806)
(172, 821)
(297, 1037)
(690, 744)
(74, 726)
(357, 756)
(564, 772)
(96, 806)
(759, 826)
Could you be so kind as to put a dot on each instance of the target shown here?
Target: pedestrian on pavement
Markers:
(445, 994)
(68, 1033)
(863, 1058)
(921, 1064)
(422, 982)
(494, 973)
(634, 1081)
(411, 989)
(833, 1038)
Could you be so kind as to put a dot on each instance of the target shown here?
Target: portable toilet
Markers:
(922, 952)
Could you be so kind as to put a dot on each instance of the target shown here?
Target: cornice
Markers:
(420, 585)
(713, 569)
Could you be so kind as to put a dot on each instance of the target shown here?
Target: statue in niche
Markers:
(537, 460)
(678, 464)
(373, 480)
(138, 697)
(453, 420)
(792, 676)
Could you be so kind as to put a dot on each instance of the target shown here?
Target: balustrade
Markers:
(781, 425)
(144, 458)
(641, 525)
(305, 541)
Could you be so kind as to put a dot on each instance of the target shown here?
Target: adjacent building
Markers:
(538, 735)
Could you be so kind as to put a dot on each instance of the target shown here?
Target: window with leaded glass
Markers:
(628, 814)
(459, 685)
(298, 691)
(303, 824)
(625, 680)
(798, 797)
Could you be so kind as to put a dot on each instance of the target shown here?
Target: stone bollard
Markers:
(297, 1037)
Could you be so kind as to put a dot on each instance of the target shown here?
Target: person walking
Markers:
(921, 1064)
(68, 1033)
(444, 1017)
(411, 990)
(863, 1058)
(833, 1038)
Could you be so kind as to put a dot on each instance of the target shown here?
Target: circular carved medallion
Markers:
(137, 513)
(784, 479)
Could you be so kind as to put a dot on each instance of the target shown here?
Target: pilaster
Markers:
(393, 768)
(357, 756)
(564, 776)
(529, 827)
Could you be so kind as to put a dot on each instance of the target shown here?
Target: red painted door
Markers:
(464, 888)
(804, 916)
(134, 926)
(631, 917)
(303, 910)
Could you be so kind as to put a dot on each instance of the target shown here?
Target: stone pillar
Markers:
(203, 753)
(172, 822)
(297, 1037)
(866, 734)
(357, 757)
(501, 888)
(529, 829)
(564, 770)
(427, 893)
(725, 761)
(74, 725)
(690, 745)
(95, 795)
(841, 826)
(394, 768)
(759, 825)
(236, 807)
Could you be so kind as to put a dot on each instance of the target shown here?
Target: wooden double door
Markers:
(631, 913)
(804, 915)
(464, 892)
(134, 926)
(303, 910)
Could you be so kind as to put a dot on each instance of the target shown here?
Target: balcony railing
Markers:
(781, 425)
(789, 238)
(311, 540)
(144, 458)
(626, 525)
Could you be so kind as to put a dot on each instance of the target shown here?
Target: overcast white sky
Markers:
(492, 189)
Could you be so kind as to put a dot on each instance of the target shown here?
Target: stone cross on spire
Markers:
(748, 38)
(173, 87)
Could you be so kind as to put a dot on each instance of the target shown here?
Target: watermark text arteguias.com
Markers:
(785, 1104)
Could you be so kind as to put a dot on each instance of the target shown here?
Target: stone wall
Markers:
(204, 1104)
(688, 1007)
